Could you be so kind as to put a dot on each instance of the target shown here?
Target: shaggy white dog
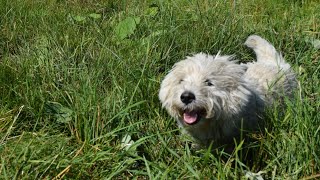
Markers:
(214, 99)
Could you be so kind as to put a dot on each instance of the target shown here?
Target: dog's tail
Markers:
(265, 52)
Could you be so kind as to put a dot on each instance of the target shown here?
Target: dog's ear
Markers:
(228, 74)
(227, 65)
(166, 87)
(234, 70)
(163, 93)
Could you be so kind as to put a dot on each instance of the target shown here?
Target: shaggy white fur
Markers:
(214, 98)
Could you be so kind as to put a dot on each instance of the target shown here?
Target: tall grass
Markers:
(79, 83)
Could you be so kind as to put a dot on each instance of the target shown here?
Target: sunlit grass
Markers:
(79, 88)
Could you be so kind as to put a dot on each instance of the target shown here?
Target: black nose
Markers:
(187, 97)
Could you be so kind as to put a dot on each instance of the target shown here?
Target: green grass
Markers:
(79, 77)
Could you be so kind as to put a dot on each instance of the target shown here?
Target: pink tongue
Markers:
(190, 117)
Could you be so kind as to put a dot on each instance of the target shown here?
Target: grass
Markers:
(79, 82)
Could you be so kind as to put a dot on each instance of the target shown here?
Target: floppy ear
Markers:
(166, 87)
(228, 66)
(235, 70)
(229, 74)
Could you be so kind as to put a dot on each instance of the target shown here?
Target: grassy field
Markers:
(79, 85)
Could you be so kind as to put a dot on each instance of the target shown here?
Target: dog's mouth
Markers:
(192, 117)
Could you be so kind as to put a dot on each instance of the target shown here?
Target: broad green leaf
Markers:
(79, 18)
(95, 15)
(126, 27)
(57, 110)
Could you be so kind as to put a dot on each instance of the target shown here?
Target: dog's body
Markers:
(213, 98)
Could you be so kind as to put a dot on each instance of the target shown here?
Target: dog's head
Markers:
(199, 87)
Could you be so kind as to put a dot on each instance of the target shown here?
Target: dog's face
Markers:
(198, 88)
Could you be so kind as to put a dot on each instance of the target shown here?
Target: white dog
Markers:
(214, 99)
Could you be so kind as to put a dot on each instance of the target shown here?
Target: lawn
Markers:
(79, 83)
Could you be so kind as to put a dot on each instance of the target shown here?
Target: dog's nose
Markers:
(187, 97)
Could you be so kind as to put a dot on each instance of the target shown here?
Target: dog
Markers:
(215, 99)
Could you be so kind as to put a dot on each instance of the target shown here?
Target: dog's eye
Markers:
(181, 80)
(208, 83)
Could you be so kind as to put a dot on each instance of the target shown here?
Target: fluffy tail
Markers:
(271, 71)
(264, 51)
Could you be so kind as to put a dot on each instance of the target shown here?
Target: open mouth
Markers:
(192, 117)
